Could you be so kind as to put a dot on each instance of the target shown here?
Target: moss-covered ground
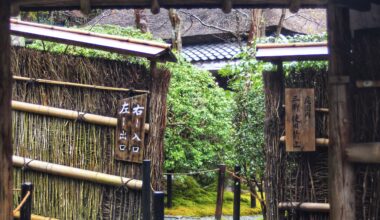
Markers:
(190, 199)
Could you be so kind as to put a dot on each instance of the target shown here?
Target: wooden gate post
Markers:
(169, 190)
(6, 198)
(158, 205)
(220, 192)
(146, 191)
(237, 192)
(273, 129)
(341, 172)
(26, 209)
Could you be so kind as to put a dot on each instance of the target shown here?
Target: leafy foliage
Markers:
(200, 112)
(246, 81)
(200, 115)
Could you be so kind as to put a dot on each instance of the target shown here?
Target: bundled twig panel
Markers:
(305, 175)
(69, 143)
(366, 123)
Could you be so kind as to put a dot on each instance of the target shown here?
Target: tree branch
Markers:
(209, 25)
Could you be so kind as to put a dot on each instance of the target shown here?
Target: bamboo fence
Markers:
(75, 173)
(66, 114)
(85, 146)
(365, 123)
(80, 85)
(304, 176)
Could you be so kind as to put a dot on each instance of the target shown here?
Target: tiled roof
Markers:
(210, 52)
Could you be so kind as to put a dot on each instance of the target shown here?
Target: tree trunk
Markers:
(157, 120)
(341, 172)
(141, 21)
(273, 129)
(255, 28)
(175, 20)
(5, 114)
(281, 22)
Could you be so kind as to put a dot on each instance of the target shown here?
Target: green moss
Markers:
(190, 199)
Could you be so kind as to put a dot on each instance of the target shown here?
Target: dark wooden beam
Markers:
(6, 199)
(363, 152)
(159, 87)
(341, 172)
(75, 4)
(273, 129)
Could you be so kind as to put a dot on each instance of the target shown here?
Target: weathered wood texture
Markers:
(299, 120)
(130, 134)
(363, 153)
(341, 172)
(5, 114)
(157, 119)
(75, 4)
(366, 116)
(274, 150)
(365, 20)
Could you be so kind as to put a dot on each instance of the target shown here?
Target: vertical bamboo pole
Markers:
(26, 209)
(169, 189)
(5, 114)
(158, 205)
(273, 129)
(220, 192)
(146, 191)
(341, 172)
(237, 192)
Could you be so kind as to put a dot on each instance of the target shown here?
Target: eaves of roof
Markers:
(127, 46)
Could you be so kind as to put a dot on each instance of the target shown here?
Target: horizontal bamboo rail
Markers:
(66, 114)
(368, 84)
(363, 152)
(324, 110)
(34, 217)
(323, 142)
(305, 206)
(76, 173)
(80, 85)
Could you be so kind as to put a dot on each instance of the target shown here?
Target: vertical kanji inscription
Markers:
(300, 120)
(130, 132)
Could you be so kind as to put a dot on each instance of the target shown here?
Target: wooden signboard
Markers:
(300, 120)
(130, 131)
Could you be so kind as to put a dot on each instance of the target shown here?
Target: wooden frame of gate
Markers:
(341, 172)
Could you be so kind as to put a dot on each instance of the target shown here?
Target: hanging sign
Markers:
(300, 120)
(130, 131)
